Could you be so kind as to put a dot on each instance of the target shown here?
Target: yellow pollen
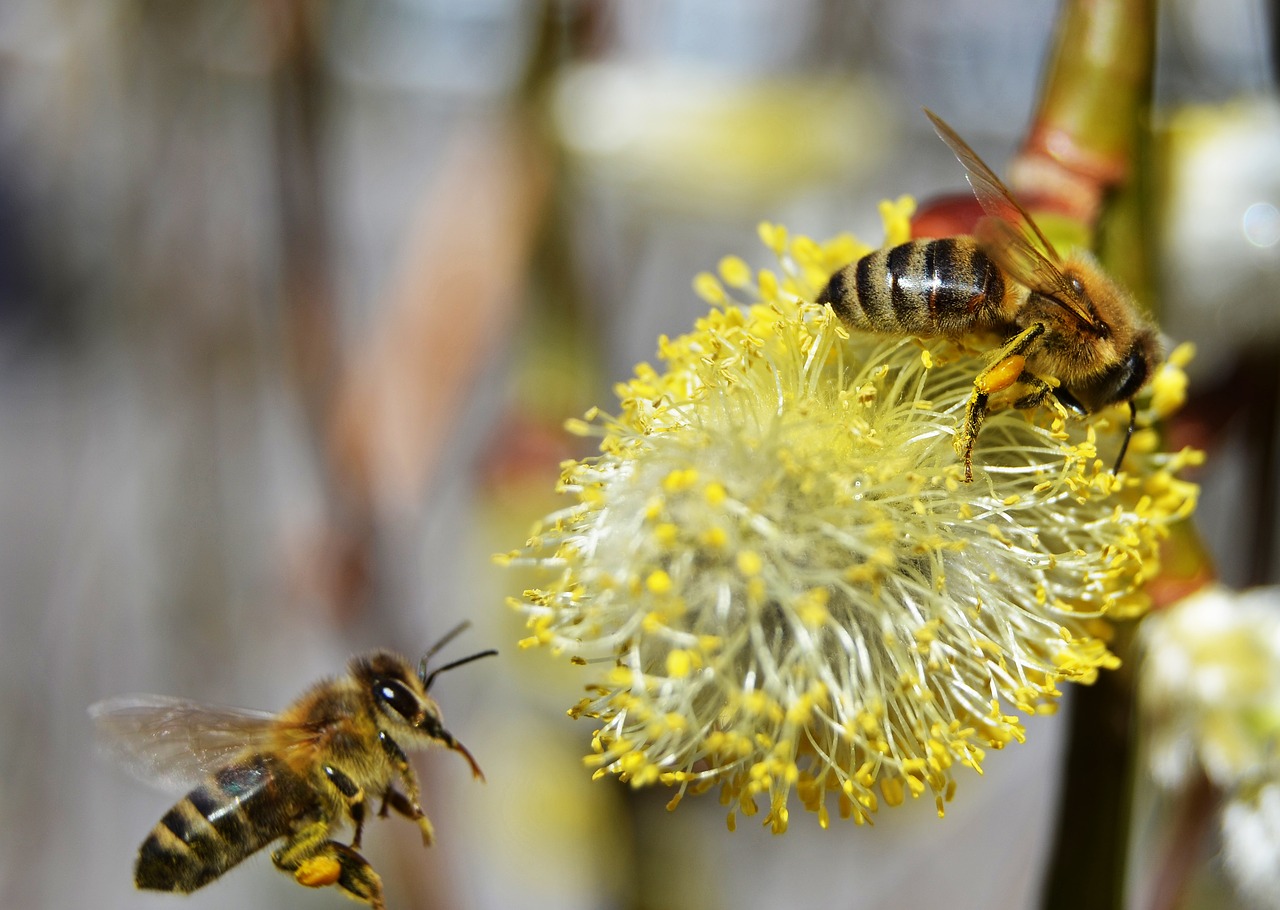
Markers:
(799, 592)
(735, 272)
(708, 287)
(714, 538)
(750, 563)
(658, 582)
(773, 236)
(318, 871)
(680, 479)
(680, 663)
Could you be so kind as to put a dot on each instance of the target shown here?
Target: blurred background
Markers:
(295, 297)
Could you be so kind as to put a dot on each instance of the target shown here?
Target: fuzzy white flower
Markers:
(1210, 686)
(778, 553)
(1210, 698)
(1251, 843)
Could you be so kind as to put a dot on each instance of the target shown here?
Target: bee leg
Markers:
(410, 810)
(400, 762)
(317, 862)
(357, 878)
(299, 849)
(354, 796)
(975, 412)
(1039, 391)
(1007, 368)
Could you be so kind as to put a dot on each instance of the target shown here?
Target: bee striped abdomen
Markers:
(923, 288)
(239, 810)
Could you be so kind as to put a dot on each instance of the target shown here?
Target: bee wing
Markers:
(1010, 248)
(1009, 234)
(173, 742)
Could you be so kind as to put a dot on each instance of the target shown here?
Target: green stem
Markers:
(1083, 160)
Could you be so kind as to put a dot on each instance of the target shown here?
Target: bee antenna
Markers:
(1128, 434)
(428, 677)
(447, 637)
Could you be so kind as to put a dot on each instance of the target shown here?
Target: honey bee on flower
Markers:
(1055, 316)
(777, 550)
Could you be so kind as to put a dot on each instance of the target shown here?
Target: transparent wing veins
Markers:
(174, 743)
(1009, 234)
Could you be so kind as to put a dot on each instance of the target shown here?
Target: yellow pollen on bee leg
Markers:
(1003, 374)
(318, 872)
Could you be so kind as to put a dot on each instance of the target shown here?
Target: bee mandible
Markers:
(296, 775)
(1056, 316)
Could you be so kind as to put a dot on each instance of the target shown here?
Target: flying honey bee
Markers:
(1060, 317)
(295, 775)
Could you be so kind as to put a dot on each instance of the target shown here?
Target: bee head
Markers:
(397, 693)
(1123, 379)
(1118, 383)
(400, 699)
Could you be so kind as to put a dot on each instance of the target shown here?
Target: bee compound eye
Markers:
(1134, 376)
(397, 696)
